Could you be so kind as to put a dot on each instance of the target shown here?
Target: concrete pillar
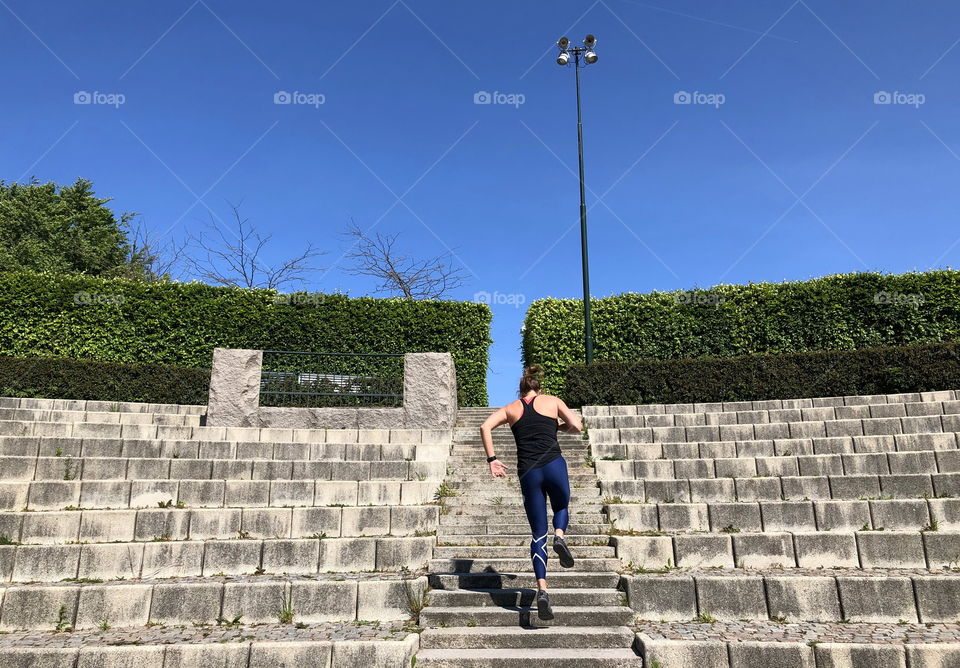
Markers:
(429, 391)
(234, 388)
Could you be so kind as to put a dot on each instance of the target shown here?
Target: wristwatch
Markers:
(490, 459)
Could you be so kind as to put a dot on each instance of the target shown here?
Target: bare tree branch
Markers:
(236, 260)
(159, 261)
(399, 274)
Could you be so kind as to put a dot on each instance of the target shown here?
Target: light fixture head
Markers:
(563, 58)
(590, 41)
(590, 57)
(563, 43)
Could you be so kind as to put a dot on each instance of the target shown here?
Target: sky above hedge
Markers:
(800, 170)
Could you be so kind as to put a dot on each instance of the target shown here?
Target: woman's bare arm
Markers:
(571, 423)
(497, 418)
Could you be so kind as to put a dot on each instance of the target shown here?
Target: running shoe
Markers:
(544, 611)
(560, 547)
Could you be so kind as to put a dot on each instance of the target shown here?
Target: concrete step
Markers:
(452, 531)
(515, 552)
(559, 578)
(103, 417)
(520, 658)
(481, 514)
(468, 598)
(568, 637)
(602, 615)
(109, 406)
(487, 539)
(485, 480)
(521, 565)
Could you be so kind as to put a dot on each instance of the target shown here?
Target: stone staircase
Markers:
(481, 608)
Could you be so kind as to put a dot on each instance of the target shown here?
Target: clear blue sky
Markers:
(798, 173)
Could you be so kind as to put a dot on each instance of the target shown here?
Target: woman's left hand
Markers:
(498, 469)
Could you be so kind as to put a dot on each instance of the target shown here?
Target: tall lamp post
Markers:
(587, 54)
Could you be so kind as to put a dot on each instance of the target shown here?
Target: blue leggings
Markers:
(536, 484)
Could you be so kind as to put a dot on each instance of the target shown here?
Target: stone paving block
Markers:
(416, 493)
(777, 466)
(842, 515)
(885, 549)
(900, 515)
(874, 599)
(39, 657)
(298, 556)
(907, 442)
(833, 445)
(751, 654)
(946, 484)
(717, 450)
(667, 598)
(161, 523)
(398, 470)
(361, 653)
(874, 463)
(387, 599)
(343, 555)
(628, 490)
(171, 560)
(147, 656)
(110, 561)
(674, 654)
(186, 603)
(350, 470)
(765, 448)
(105, 526)
(865, 444)
(828, 465)
(939, 655)
(826, 550)
(248, 449)
(810, 598)
(50, 495)
(191, 469)
(317, 601)
(735, 467)
(148, 469)
(272, 469)
(735, 432)
(633, 516)
(49, 528)
(802, 488)
(379, 493)
(118, 606)
(317, 521)
(365, 521)
(201, 493)
(45, 563)
(849, 655)
(763, 550)
(246, 493)
(235, 557)
(758, 489)
(105, 494)
(650, 552)
(683, 517)
(851, 427)
(215, 523)
(942, 549)
(290, 654)
(712, 489)
(938, 598)
(731, 598)
(329, 492)
(667, 491)
(291, 451)
(398, 553)
(37, 607)
(12, 522)
(703, 550)
(311, 470)
(788, 516)
(207, 655)
(771, 430)
(645, 469)
(854, 486)
(945, 512)
(735, 516)
(150, 493)
(266, 522)
(256, 602)
(693, 468)
(882, 426)
(913, 462)
(18, 468)
(408, 520)
(906, 486)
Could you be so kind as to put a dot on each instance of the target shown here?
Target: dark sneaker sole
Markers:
(544, 611)
(566, 559)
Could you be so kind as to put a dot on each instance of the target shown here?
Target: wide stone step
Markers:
(453, 531)
(485, 480)
(857, 595)
(100, 406)
(517, 658)
(508, 566)
(559, 578)
(444, 539)
(475, 515)
(604, 615)
(568, 637)
(516, 552)
(105, 417)
(580, 596)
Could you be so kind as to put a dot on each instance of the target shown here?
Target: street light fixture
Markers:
(589, 56)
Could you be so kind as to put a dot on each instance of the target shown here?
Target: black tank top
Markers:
(536, 437)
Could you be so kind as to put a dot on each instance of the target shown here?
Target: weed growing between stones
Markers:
(417, 600)
(285, 616)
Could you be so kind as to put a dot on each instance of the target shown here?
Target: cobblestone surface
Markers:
(802, 632)
(171, 635)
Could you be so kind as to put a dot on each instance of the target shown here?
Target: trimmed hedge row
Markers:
(57, 378)
(840, 312)
(180, 324)
(827, 373)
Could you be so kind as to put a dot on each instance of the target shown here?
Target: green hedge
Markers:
(826, 373)
(181, 323)
(58, 378)
(841, 312)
